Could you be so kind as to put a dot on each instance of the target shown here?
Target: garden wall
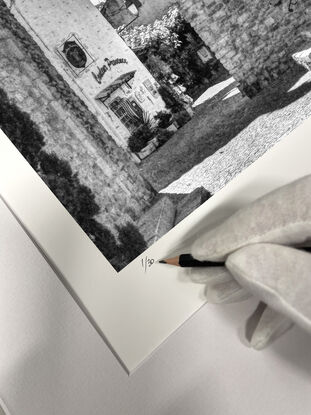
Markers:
(253, 39)
(69, 128)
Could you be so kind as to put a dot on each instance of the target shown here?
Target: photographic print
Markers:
(134, 113)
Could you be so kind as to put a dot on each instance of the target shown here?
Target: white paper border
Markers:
(136, 311)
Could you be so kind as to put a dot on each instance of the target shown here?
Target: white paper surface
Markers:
(53, 362)
(136, 311)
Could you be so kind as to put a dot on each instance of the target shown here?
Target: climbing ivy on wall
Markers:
(77, 198)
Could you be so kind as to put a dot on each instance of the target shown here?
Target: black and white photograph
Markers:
(135, 112)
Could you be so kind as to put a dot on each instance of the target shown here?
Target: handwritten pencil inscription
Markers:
(147, 263)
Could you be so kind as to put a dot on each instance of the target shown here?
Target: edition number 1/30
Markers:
(147, 263)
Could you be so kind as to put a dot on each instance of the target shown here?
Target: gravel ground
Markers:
(222, 140)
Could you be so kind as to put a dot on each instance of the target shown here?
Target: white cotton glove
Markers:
(253, 243)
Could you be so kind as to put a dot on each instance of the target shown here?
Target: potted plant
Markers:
(164, 119)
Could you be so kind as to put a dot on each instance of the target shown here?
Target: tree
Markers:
(169, 46)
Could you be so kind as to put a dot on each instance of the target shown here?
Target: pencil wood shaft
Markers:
(187, 260)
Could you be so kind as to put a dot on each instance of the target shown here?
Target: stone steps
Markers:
(167, 212)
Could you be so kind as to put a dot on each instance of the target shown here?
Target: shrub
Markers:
(140, 137)
(51, 164)
(182, 117)
(77, 198)
(163, 118)
(169, 45)
(164, 136)
(102, 237)
(21, 130)
(170, 100)
(136, 143)
(131, 243)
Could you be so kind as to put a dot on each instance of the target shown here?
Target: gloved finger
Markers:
(220, 286)
(282, 216)
(278, 275)
(264, 326)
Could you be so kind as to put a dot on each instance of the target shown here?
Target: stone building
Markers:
(70, 129)
(148, 11)
(254, 40)
(93, 60)
(85, 89)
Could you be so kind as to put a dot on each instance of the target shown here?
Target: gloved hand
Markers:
(261, 245)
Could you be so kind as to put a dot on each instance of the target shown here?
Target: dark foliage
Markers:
(76, 197)
(164, 136)
(140, 137)
(186, 64)
(182, 118)
(171, 102)
(163, 118)
(102, 237)
(51, 164)
(131, 242)
(174, 44)
(136, 143)
(21, 130)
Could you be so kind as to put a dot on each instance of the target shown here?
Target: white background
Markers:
(52, 361)
(134, 310)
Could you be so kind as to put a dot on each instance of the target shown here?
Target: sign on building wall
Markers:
(151, 88)
(75, 54)
(109, 63)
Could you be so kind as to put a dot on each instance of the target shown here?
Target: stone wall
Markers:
(253, 39)
(51, 22)
(69, 128)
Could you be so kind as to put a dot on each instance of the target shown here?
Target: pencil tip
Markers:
(162, 262)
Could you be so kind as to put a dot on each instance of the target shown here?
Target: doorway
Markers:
(128, 111)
